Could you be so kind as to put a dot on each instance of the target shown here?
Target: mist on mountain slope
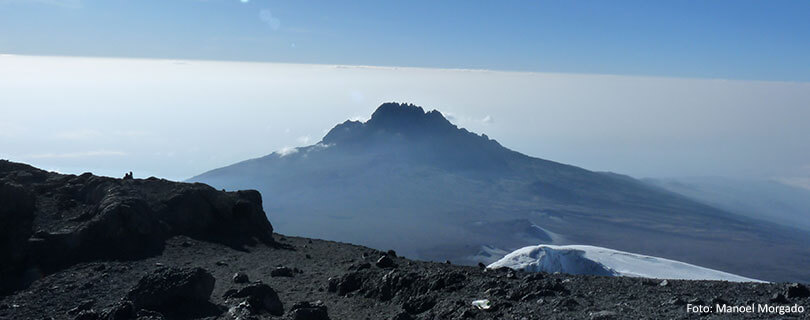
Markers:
(410, 180)
(759, 199)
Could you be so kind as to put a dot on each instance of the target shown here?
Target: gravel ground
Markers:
(406, 289)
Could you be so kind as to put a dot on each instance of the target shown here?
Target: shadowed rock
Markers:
(49, 221)
(169, 288)
(258, 298)
(308, 311)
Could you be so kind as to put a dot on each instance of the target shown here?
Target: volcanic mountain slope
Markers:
(410, 180)
(222, 274)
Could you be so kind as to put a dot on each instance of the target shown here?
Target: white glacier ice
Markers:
(582, 259)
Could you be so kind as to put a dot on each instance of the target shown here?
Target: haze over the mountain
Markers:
(761, 199)
(410, 180)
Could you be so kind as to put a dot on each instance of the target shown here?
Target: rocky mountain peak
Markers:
(401, 116)
(394, 118)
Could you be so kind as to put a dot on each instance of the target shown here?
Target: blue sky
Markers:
(734, 39)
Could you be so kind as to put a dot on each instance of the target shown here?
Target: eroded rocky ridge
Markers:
(49, 221)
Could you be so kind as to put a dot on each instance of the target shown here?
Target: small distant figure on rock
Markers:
(128, 176)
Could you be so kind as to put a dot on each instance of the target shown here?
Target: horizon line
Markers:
(394, 67)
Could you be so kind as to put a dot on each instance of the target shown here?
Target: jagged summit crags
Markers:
(395, 118)
(412, 181)
(420, 136)
(399, 119)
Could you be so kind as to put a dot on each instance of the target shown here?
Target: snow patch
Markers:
(581, 259)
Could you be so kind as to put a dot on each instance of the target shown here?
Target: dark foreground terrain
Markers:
(198, 253)
(408, 290)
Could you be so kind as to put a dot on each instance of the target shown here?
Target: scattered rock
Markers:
(166, 288)
(259, 298)
(241, 311)
(360, 266)
(309, 311)
(569, 304)
(419, 304)
(122, 310)
(240, 277)
(391, 253)
(603, 315)
(779, 298)
(348, 283)
(281, 272)
(534, 277)
(797, 290)
(83, 306)
(332, 284)
(467, 314)
(87, 315)
(647, 282)
(229, 293)
(385, 262)
(481, 266)
(482, 304)
(149, 315)
(676, 301)
(448, 281)
(403, 316)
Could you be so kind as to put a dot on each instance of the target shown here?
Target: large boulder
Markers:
(167, 288)
(258, 298)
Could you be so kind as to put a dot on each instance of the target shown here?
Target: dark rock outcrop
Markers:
(49, 221)
(16, 220)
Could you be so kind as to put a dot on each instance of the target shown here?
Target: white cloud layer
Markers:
(210, 114)
(85, 154)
